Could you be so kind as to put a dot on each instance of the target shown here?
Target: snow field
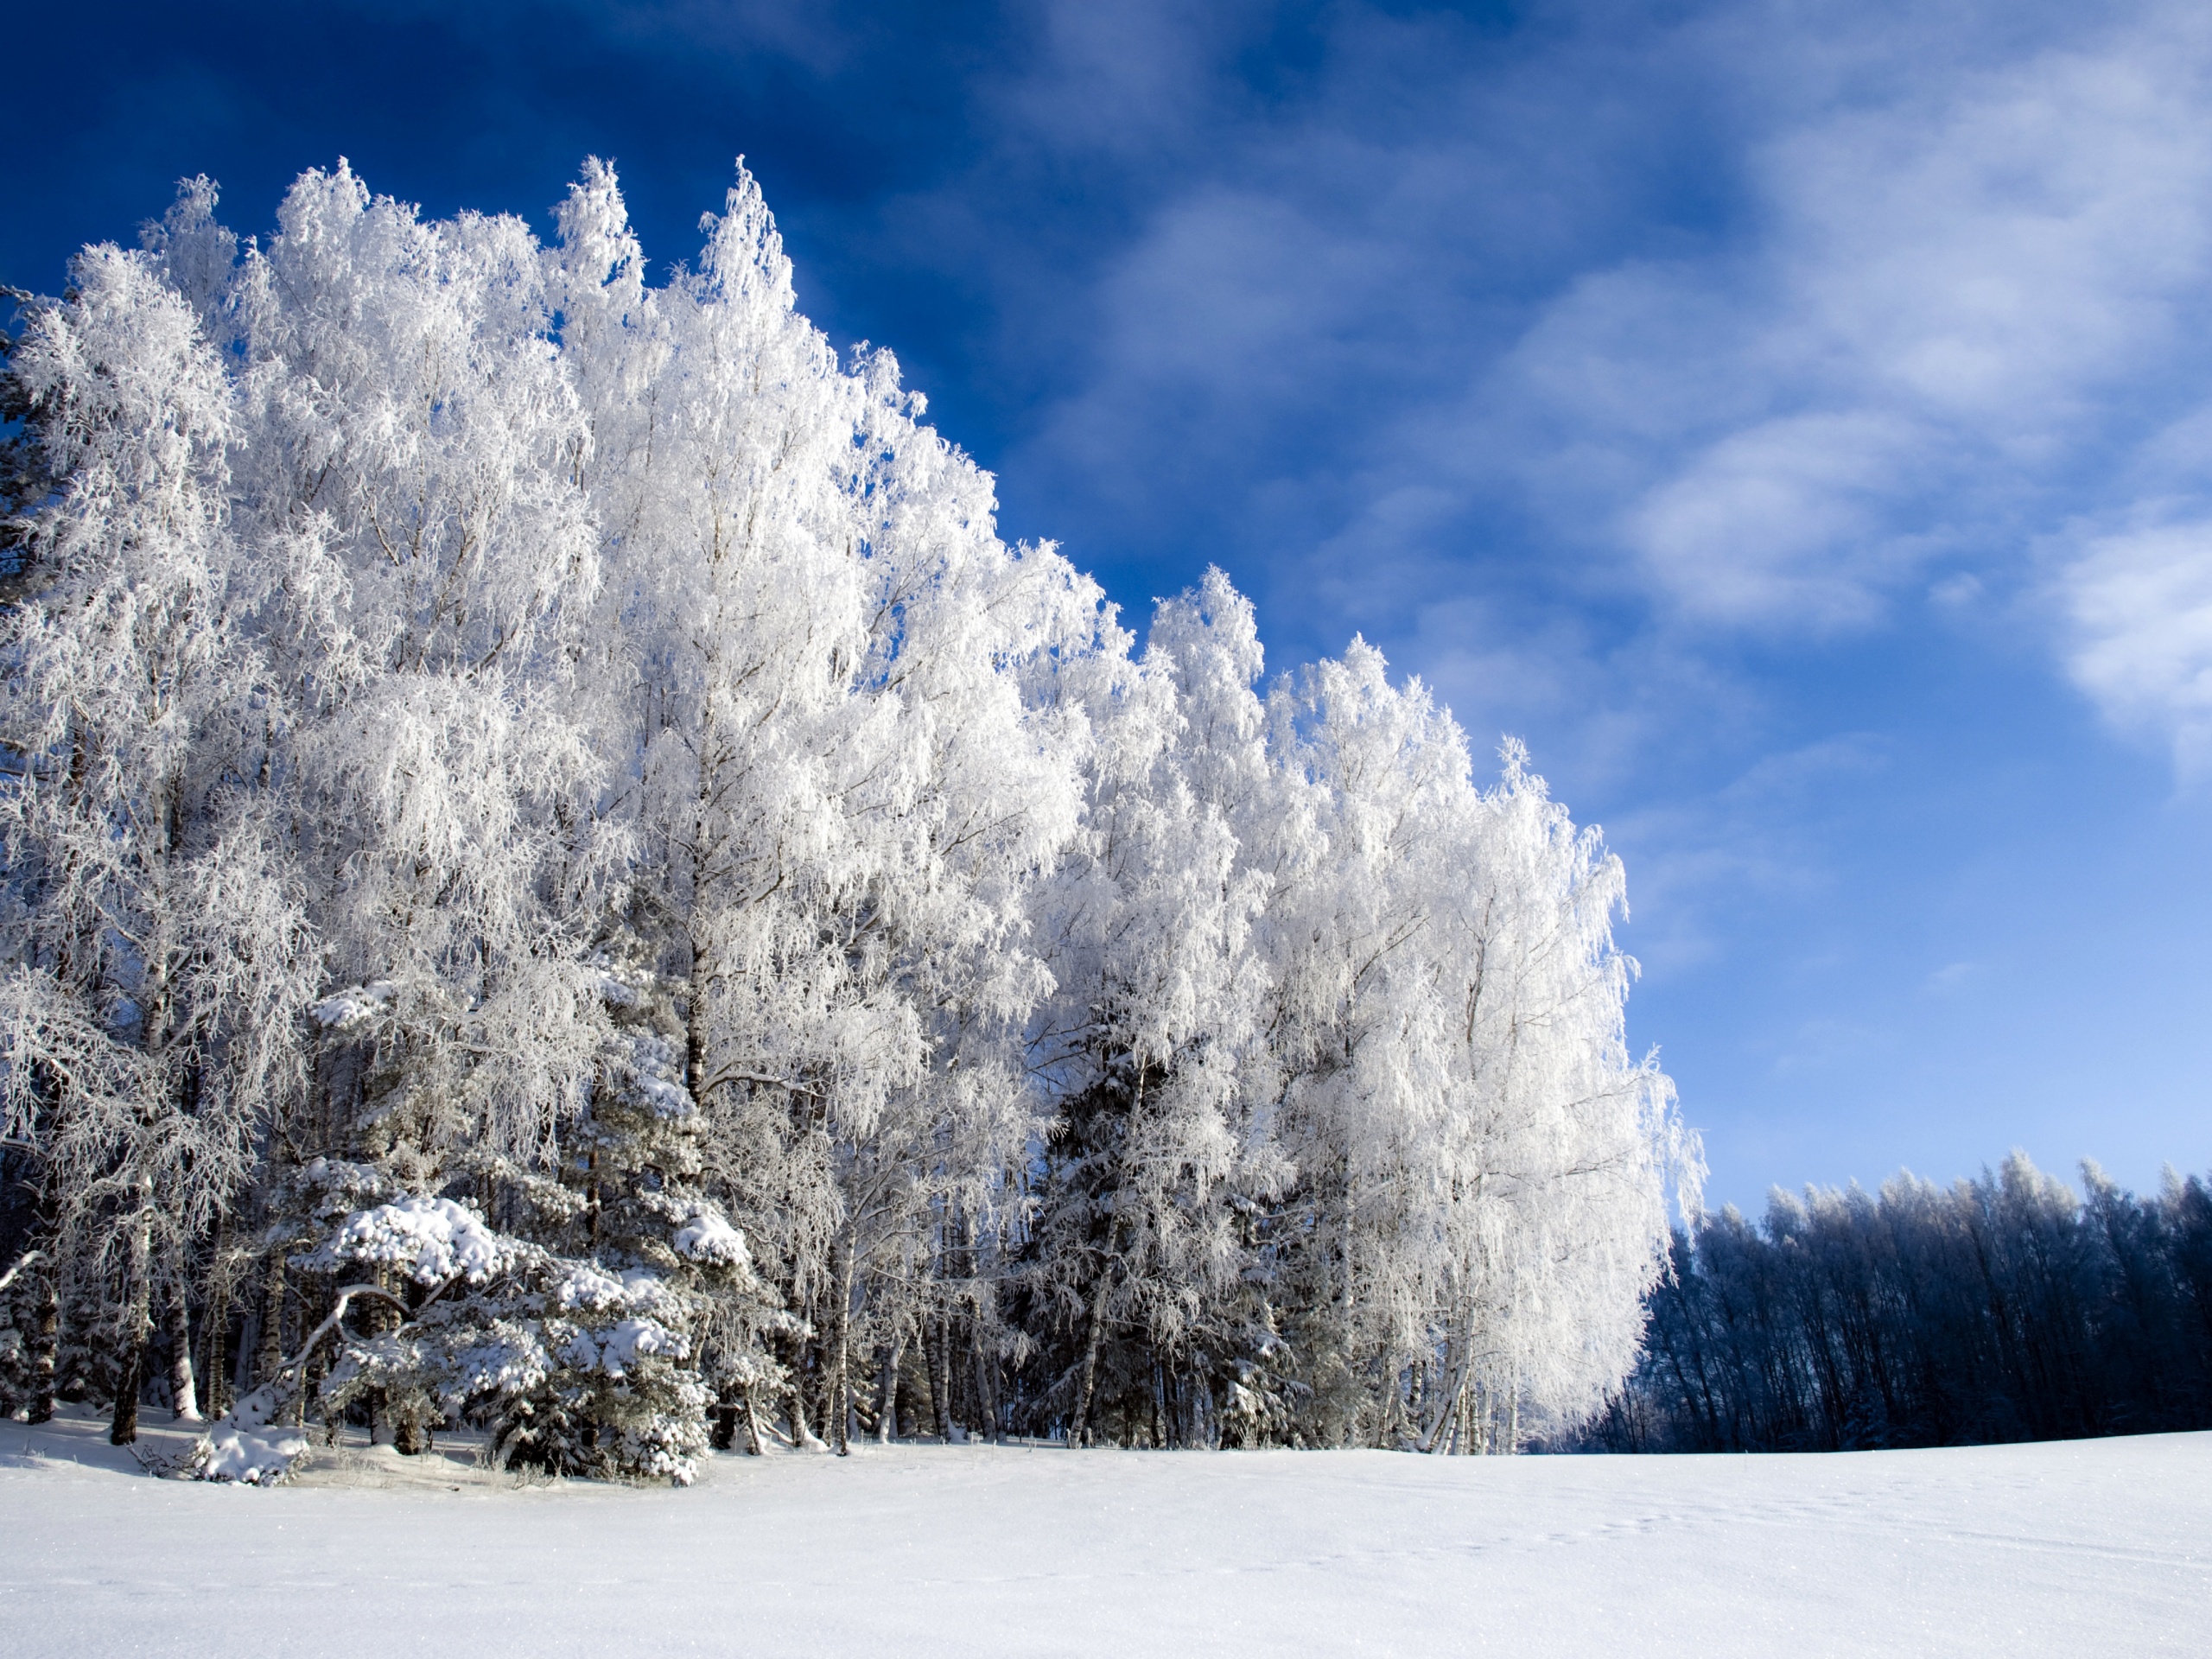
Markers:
(2073, 1549)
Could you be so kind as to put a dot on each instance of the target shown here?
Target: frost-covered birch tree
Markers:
(1157, 986)
(155, 939)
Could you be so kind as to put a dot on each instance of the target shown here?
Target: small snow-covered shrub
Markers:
(575, 1369)
(248, 1445)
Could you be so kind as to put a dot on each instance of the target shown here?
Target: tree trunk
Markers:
(122, 1425)
(137, 1324)
(313, 1367)
(987, 1394)
(45, 1341)
(271, 1355)
(1443, 1400)
(983, 1365)
(752, 1422)
(940, 1378)
(217, 1324)
(241, 1383)
(384, 1430)
(695, 1021)
(1079, 1429)
(886, 1412)
(184, 1398)
(803, 1438)
(841, 1345)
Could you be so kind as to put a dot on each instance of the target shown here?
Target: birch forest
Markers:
(561, 882)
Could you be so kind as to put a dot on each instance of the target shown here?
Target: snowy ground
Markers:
(2083, 1547)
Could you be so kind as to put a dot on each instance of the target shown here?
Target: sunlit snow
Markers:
(2073, 1549)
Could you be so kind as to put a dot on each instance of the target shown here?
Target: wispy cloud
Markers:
(1957, 298)
(2140, 604)
(1781, 317)
(1950, 978)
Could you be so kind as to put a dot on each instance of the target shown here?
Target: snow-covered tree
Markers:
(157, 963)
(561, 875)
(1135, 1252)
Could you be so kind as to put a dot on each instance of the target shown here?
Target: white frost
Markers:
(430, 1240)
(616, 1350)
(345, 1009)
(708, 1237)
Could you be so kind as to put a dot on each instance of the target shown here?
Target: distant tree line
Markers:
(2004, 1308)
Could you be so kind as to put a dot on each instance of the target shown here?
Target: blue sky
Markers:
(1793, 419)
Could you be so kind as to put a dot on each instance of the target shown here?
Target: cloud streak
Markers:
(1778, 320)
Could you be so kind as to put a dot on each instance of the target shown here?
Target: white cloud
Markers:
(1125, 77)
(1783, 518)
(2140, 604)
(1957, 287)
(1953, 269)
(1950, 978)
(1761, 321)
